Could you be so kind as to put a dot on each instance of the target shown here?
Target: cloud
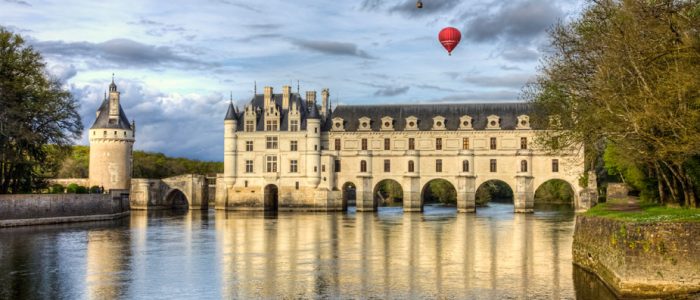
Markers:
(121, 52)
(332, 48)
(371, 4)
(434, 87)
(240, 5)
(155, 28)
(520, 54)
(63, 72)
(18, 2)
(263, 26)
(391, 91)
(408, 7)
(478, 97)
(508, 80)
(517, 21)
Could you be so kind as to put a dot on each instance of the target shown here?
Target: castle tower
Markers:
(313, 129)
(230, 127)
(111, 143)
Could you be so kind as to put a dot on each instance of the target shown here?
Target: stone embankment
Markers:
(38, 209)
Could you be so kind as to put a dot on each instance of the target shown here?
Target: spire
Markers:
(112, 86)
(313, 114)
(231, 112)
(255, 88)
(298, 86)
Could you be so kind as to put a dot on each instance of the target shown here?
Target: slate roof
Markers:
(258, 102)
(231, 112)
(508, 112)
(102, 120)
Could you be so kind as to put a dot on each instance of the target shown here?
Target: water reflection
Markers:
(437, 254)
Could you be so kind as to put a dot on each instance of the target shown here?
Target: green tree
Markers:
(625, 73)
(35, 112)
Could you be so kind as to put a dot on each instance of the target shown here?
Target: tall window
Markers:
(271, 164)
(492, 166)
(271, 125)
(523, 166)
(294, 125)
(337, 144)
(249, 126)
(465, 143)
(271, 142)
(523, 143)
(363, 166)
(411, 144)
(364, 144)
(411, 166)
(293, 146)
(387, 165)
(438, 144)
(293, 166)
(387, 144)
(465, 166)
(336, 166)
(249, 166)
(493, 143)
(555, 165)
(438, 165)
(248, 145)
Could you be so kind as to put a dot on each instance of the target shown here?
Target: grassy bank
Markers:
(620, 209)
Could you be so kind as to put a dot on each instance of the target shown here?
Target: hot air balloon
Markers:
(419, 4)
(449, 38)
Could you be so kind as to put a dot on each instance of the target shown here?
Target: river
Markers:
(493, 254)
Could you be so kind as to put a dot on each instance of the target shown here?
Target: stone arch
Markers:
(483, 185)
(380, 196)
(349, 194)
(177, 199)
(571, 188)
(451, 190)
(270, 197)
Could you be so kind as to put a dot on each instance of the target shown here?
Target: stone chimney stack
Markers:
(310, 98)
(325, 94)
(268, 102)
(286, 94)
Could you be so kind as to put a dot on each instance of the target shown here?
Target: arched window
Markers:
(411, 166)
(465, 166)
(363, 166)
(523, 166)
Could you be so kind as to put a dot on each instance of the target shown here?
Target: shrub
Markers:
(56, 189)
(72, 188)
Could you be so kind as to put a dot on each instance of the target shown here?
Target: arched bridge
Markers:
(184, 191)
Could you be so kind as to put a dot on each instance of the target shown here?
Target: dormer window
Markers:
(365, 124)
(439, 123)
(411, 123)
(493, 122)
(465, 123)
(523, 122)
(387, 123)
(338, 124)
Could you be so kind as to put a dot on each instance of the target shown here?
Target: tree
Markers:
(625, 73)
(36, 112)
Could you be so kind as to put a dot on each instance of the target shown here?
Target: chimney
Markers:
(310, 98)
(286, 93)
(324, 102)
(268, 98)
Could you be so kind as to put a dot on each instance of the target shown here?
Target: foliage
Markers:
(650, 212)
(625, 73)
(390, 191)
(76, 164)
(493, 190)
(440, 191)
(95, 189)
(36, 112)
(56, 189)
(554, 191)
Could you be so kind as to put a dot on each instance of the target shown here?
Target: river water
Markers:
(493, 254)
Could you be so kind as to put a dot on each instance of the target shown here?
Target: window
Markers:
(249, 126)
(323, 168)
(555, 165)
(493, 143)
(523, 143)
(387, 165)
(248, 146)
(296, 185)
(387, 144)
(465, 143)
(336, 166)
(523, 166)
(364, 144)
(315, 147)
(246, 183)
(293, 166)
(315, 129)
(337, 144)
(271, 142)
(363, 166)
(271, 125)
(271, 166)
(411, 166)
(493, 166)
(438, 144)
(294, 125)
(104, 133)
(465, 166)
(293, 146)
(438, 165)
(249, 166)
(411, 144)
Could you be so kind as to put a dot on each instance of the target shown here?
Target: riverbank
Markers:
(41, 209)
(640, 250)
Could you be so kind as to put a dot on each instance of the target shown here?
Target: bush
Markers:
(72, 188)
(56, 189)
(95, 189)
(81, 190)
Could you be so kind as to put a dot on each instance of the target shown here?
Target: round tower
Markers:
(313, 141)
(111, 143)
(230, 127)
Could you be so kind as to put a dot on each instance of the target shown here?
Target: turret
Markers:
(230, 127)
(113, 101)
(313, 128)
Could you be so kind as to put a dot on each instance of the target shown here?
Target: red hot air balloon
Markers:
(449, 38)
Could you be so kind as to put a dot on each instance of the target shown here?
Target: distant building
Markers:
(111, 143)
(282, 151)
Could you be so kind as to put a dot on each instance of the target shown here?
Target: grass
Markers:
(647, 212)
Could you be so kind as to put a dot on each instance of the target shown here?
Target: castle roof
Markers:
(103, 121)
(231, 112)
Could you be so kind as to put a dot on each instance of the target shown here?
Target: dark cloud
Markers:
(332, 48)
(63, 72)
(18, 2)
(120, 52)
(514, 21)
(371, 4)
(520, 54)
(392, 91)
(510, 68)
(509, 80)
(435, 87)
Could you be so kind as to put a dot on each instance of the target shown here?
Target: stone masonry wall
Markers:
(640, 259)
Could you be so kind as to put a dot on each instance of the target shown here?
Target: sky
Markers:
(178, 63)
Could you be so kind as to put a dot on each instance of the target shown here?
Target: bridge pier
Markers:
(466, 194)
(364, 198)
(524, 196)
(412, 194)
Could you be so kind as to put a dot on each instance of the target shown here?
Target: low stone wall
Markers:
(617, 191)
(640, 259)
(36, 209)
(66, 181)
